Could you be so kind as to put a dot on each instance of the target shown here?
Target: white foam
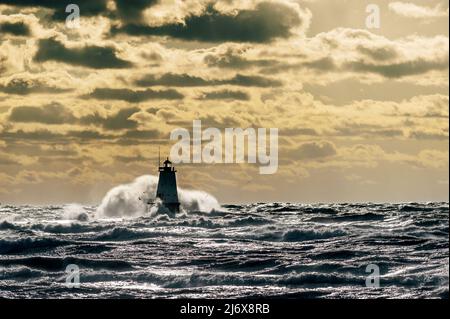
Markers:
(129, 200)
(74, 212)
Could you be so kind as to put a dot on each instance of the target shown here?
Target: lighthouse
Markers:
(167, 187)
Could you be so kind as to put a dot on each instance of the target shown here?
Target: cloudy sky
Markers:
(362, 113)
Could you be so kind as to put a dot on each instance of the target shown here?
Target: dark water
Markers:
(285, 250)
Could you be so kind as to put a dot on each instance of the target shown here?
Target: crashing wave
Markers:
(131, 199)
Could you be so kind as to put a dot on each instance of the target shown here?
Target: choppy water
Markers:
(285, 250)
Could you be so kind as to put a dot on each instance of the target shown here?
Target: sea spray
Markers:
(74, 212)
(193, 200)
(130, 200)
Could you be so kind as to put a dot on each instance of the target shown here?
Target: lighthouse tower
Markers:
(167, 187)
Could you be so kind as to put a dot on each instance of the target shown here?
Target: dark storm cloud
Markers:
(56, 113)
(379, 53)
(252, 80)
(134, 96)
(48, 114)
(84, 135)
(142, 134)
(14, 28)
(171, 79)
(8, 162)
(3, 62)
(391, 70)
(421, 135)
(87, 7)
(355, 129)
(225, 95)
(137, 137)
(45, 135)
(321, 64)
(209, 120)
(125, 9)
(29, 86)
(315, 150)
(233, 59)
(88, 135)
(116, 121)
(400, 69)
(132, 10)
(185, 80)
(38, 135)
(89, 56)
(219, 122)
(152, 110)
(265, 23)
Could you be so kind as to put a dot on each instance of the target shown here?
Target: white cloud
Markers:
(412, 10)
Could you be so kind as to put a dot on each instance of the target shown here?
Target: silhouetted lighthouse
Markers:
(167, 187)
